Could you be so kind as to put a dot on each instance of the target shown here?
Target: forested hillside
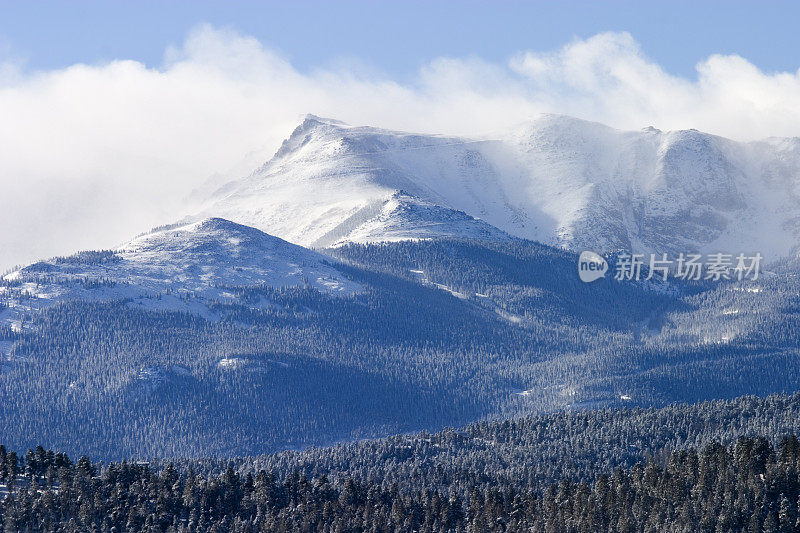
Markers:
(438, 333)
(714, 466)
(531, 451)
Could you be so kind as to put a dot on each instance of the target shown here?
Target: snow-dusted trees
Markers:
(444, 333)
(727, 482)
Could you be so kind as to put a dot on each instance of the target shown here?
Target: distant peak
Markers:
(216, 223)
(564, 119)
(206, 224)
(312, 119)
(213, 232)
(560, 123)
(310, 125)
(555, 116)
(223, 226)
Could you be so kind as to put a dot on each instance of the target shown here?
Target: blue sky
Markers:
(396, 38)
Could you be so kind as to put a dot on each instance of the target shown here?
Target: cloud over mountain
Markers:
(123, 142)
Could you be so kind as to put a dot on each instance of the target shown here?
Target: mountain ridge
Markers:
(555, 179)
(177, 267)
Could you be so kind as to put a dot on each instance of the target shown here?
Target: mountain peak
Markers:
(218, 224)
(214, 238)
(189, 227)
(311, 127)
(556, 124)
(310, 120)
(184, 267)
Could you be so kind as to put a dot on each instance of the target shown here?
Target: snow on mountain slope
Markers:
(403, 216)
(330, 182)
(215, 251)
(556, 179)
(654, 191)
(181, 267)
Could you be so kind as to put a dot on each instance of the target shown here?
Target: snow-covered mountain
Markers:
(556, 179)
(331, 183)
(655, 191)
(181, 267)
(256, 369)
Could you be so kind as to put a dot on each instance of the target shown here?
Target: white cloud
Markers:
(92, 154)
